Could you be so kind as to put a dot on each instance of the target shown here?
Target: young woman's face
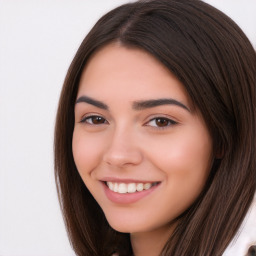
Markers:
(140, 149)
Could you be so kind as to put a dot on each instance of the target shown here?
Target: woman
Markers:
(155, 132)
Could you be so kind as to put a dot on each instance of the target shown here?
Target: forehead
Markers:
(128, 73)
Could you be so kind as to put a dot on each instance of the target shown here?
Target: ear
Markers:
(220, 152)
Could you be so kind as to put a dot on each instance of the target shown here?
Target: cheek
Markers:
(185, 160)
(182, 152)
(190, 156)
(86, 152)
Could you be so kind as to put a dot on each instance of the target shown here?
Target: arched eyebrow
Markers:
(144, 104)
(137, 105)
(93, 102)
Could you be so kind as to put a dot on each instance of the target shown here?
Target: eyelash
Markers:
(86, 118)
(167, 122)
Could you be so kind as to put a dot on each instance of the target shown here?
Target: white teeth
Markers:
(139, 187)
(110, 185)
(115, 187)
(131, 188)
(123, 188)
(147, 186)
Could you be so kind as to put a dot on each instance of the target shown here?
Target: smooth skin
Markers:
(116, 137)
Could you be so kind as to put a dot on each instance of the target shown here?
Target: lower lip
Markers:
(127, 198)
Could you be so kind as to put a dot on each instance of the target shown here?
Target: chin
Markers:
(126, 225)
(123, 226)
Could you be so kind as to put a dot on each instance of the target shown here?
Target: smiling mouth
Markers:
(123, 188)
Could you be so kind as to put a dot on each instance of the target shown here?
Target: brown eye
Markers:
(161, 122)
(94, 120)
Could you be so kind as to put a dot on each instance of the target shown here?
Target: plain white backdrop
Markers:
(38, 39)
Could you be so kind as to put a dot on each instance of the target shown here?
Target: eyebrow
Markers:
(140, 105)
(93, 102)
(137, 105)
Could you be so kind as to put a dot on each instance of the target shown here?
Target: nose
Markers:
(123, 149)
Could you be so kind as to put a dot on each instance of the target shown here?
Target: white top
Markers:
(246, 235)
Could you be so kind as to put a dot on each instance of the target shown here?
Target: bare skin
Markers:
(135, 127)
(142, 242)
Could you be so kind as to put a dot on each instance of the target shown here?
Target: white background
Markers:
(38, 40)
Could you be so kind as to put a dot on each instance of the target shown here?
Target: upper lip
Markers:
(127, 180)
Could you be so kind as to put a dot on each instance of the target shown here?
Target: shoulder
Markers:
(252, 250)
(246, 236)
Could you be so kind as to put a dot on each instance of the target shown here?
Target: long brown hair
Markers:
(216, 63)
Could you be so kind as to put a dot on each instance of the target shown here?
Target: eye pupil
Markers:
(161, 122)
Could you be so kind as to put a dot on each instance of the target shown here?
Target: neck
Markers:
(150, 243)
